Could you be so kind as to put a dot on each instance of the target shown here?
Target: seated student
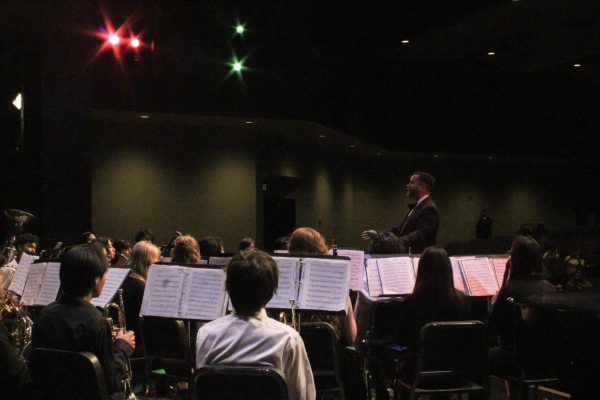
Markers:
(434, 297)
(386, 243)
(247, 244)
(26, 243)
(211, 246)
(106, 245)
(73, 323)
(143, 255)
(122, 253)
(248, 336)
(87, 237)
(144, 235)
(308, 241)
(186, 250)
(523, 279)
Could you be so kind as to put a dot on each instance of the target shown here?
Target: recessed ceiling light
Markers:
(490, 158)
(249, 122)
(577, 65)
(491, 53)
(144, 116)
(352, 146)
(322, 136)
(405, 41)
(378, 154)
(435, 155)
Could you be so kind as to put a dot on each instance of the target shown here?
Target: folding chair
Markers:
(451, 359)
(224, 382)
(321, 348)
(169, 358)
(60, 374)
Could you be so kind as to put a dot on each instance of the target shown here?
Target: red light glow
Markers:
(135, 43)
(114, 39)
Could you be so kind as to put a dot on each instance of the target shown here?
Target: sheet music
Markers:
(203, 261)
(499, 264)
(219, 260)
(164, 287)
(17, 284)
(457, 275)
(478, 277)
(114, 280)
(357, 268)
(287, 289)
(166, 259)
(373, 280)
(325, 284)
(397, 275)
(281, 251)
(33, 284)
(50, 285)
(27, 259)
(204, 296)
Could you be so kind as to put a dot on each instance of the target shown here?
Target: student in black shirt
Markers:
(74, 324)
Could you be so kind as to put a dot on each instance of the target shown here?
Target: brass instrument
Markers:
(14, 316)
(295, 317)
(120, 309)
(17, 220)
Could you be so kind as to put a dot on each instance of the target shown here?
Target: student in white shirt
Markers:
(248, 336)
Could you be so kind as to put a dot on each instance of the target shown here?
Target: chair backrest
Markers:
(460, 347)
(385, 325)
(321, 347)
(166, 341)
(224, 382)
(61, 374)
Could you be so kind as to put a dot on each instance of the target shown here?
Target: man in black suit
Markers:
(419, 228)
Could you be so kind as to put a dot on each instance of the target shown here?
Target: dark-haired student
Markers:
(249, 336)
(523, 278)
(73, 323)
(434, 297)
(211, 246)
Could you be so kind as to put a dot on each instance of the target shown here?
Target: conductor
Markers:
(419, 228)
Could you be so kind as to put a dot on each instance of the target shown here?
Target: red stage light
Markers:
(114, 39)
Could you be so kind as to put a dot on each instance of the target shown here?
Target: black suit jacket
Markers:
(419, 229)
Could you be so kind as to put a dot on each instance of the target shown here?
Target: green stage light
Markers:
(239, 29)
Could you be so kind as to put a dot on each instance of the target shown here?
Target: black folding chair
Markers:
(321, 348)
(224, 382)
(169, 358)
(60, 374)
(452, 359)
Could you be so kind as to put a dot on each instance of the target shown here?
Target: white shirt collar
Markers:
(422, 199)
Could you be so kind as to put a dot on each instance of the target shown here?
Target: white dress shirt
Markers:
(257, 341)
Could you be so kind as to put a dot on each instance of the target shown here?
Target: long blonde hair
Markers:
(143, 255)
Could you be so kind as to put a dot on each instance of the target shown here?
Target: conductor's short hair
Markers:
(426, 179)
(79, 267)
(252, 279)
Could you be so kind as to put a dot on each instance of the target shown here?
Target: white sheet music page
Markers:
(357, 268)
(33, 284)
(114, 280)
(499, 264)
(286, 290)
(325, 284)
(27, 259)
(17, 284)
(478, 276)
(457, 275)
(50, 285)
(219, 260)
(373, 280)
(397, 275)
(163, 291)
(204, 296)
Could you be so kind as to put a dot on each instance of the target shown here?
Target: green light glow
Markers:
(237, 66)
(239, 29)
